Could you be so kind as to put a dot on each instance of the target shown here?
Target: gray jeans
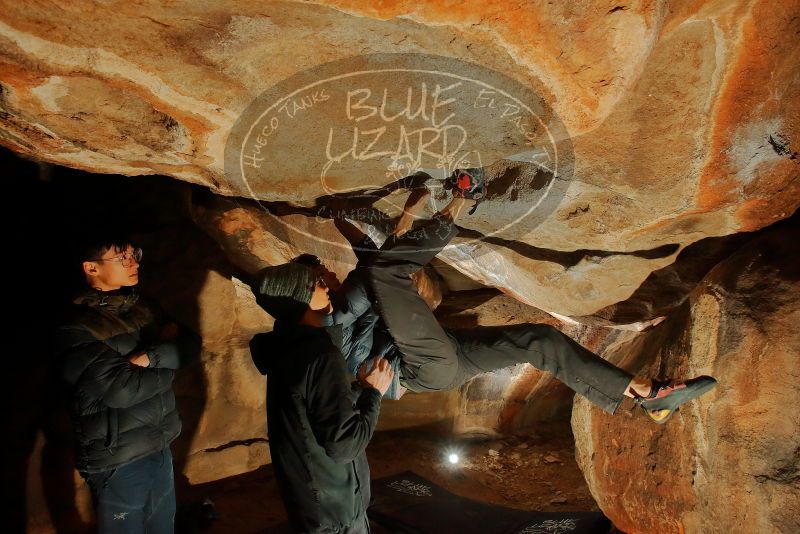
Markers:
(434, 359)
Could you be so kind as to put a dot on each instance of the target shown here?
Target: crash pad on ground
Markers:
(409, 503)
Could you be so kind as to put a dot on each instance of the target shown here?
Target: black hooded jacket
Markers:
(121, 412)
(319, 425)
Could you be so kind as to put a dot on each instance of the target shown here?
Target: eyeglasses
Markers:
(126, 258)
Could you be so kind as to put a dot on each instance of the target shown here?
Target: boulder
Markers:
(668, 123)
(730, 461)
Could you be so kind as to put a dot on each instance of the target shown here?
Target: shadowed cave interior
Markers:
(643, 178)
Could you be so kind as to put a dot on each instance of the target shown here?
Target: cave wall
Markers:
(729, 462)
(681, 117)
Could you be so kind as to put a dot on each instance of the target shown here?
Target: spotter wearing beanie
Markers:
(284, 291)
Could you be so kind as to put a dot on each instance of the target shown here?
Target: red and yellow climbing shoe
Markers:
(665, 397)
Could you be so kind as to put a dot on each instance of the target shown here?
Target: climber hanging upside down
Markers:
(383, 316)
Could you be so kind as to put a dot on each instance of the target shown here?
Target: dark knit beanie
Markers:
(284, 291)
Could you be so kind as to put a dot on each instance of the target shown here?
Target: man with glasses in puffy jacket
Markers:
(119, 356)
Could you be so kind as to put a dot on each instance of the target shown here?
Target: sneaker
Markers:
(468, 183)
(665, 397)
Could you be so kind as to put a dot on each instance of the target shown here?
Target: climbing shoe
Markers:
(665, 397)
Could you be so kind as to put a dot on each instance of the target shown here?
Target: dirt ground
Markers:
(534, 472)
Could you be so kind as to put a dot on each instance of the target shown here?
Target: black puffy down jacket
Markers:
(121, 412)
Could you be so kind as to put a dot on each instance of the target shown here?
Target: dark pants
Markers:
(435, 359)
(137, 497)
